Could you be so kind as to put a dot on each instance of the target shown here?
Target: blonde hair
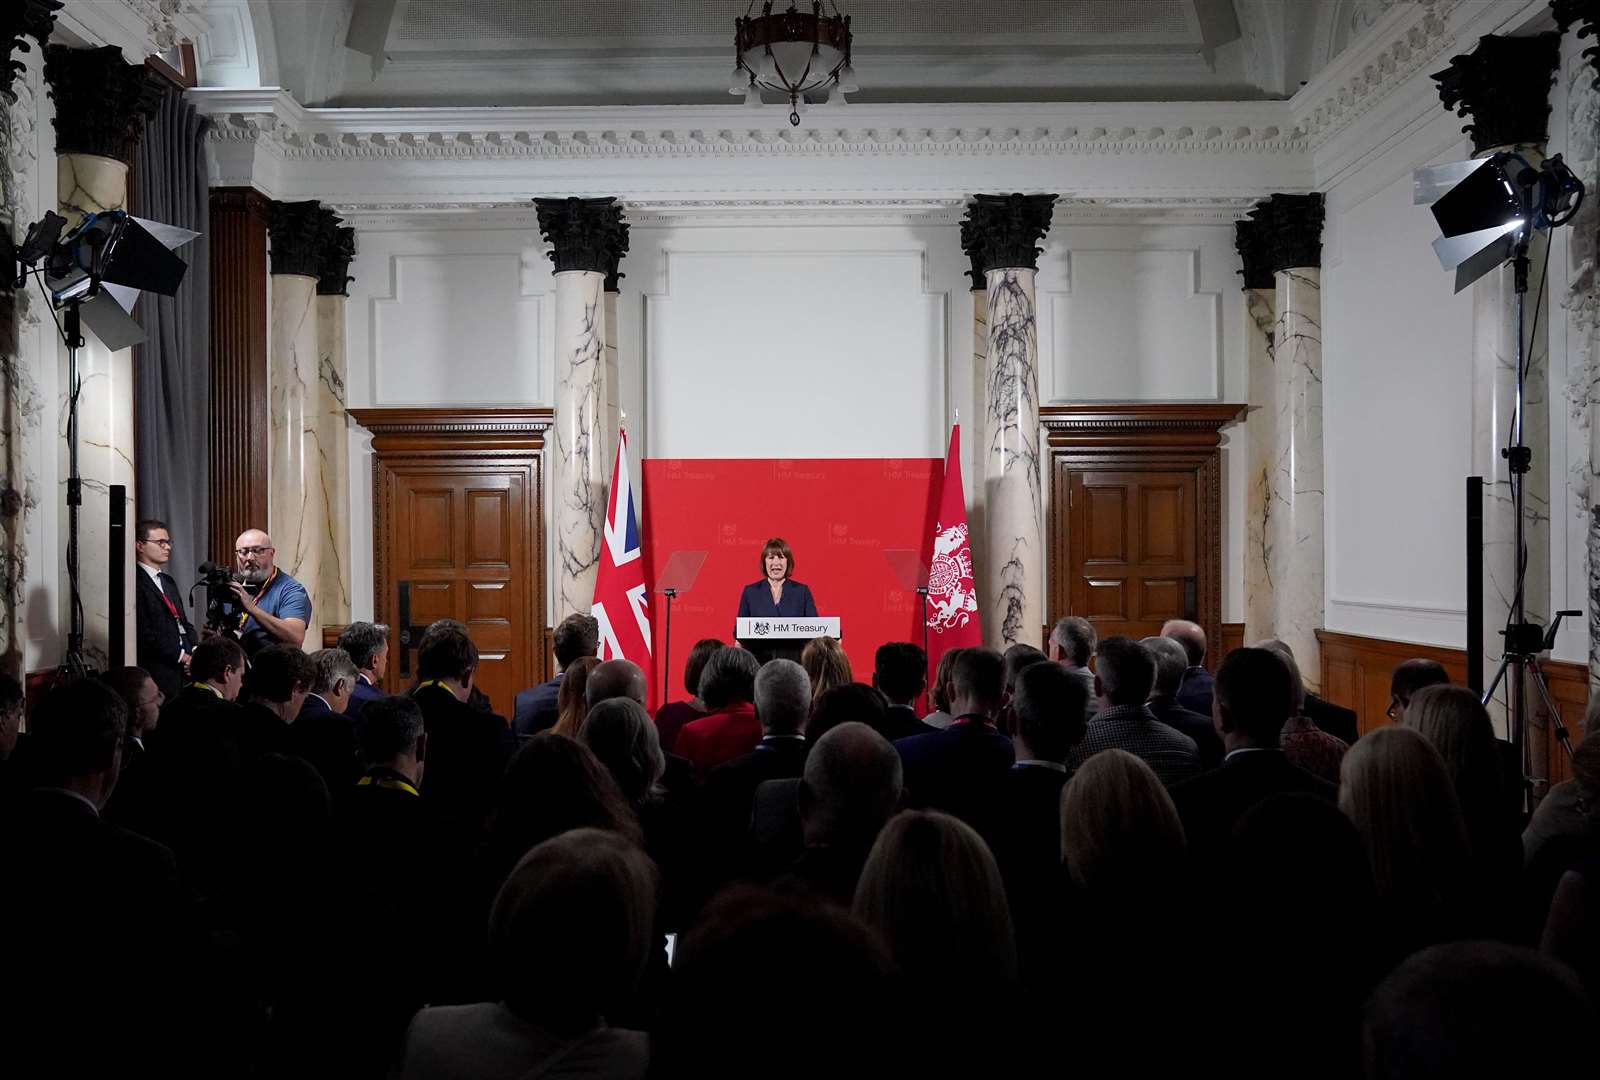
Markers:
(932, 891)
(1456, 724)
(1118, 824)
(1394, 786)
(826, 665)
(570, 705)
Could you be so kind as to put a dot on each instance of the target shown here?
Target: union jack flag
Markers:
(620, 605)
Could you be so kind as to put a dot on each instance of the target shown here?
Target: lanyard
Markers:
(973, 718)
(387, 783)
(209, 689)
(434, 682)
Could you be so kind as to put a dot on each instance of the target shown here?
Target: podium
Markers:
(782, 639)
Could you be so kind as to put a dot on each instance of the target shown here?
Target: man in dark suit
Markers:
(165, 637)
(367, 645)
(275, 688)
(1124, 672)
(958, 770)
(535, 710)
(467, 749)
(1195, 692)
(1171, 662)
(322, 733)
(1407, 678)
(851, 786)
(783, 698)
(900, 672)
(1254, 698)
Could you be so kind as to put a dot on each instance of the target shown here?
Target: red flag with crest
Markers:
(952, 591)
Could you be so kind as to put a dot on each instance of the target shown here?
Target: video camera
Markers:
(222, 603)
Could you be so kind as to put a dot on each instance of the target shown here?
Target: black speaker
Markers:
(1475, 584)
(116, 578)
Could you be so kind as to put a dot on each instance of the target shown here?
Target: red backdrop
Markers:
(838, 514)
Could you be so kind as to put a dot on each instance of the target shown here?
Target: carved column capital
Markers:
(584, 234)
(1288, 229)
(1004, 230)
(974, 249)
(294, 230)
(1587, 14)
(102, 101)
(20, 20)
(1251, 242)
(336, 246)
(1503, 85)
(619, 248)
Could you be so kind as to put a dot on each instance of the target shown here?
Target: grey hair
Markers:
(624, 739)
(333, 666)
(1076, 637)
(783, 697)
(363, 641)
(1171, 663)
(729, 676)
(1297, 685)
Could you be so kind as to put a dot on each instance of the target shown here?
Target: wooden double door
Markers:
(457, 535)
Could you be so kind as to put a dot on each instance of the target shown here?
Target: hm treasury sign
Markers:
(746, 629)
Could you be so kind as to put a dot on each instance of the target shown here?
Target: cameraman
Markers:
(277, 607)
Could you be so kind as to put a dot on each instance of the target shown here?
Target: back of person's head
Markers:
(1393, 785)
(729, 678)
(1016, 658)
(439, 626)
(851, 703)
(1409, 676)
(575, 636)
(1254, 693)
(783, 697)
(1296, 860)
(334, 667)
(1586, 762)
(127, 683)
(1171, 662)
(1458, 726)
(852, 783)
(1467, 1009)
(391, 728)
(624, 739)
(900, 670)
(213, 658)
(571, 929)
(1050, 707)
(754, 955)
(942, 691)
(446, 653)
(1125, 670)
(979, 679)
(77, 731)
(1074, 636)
(1190, 636)
(695, 666)
(277, 672)
(932, 890)
(1297, 685)
(554, 784)
(826, 664)
(1120, 832)
(572, 698)
(363, 641)
(615, 679)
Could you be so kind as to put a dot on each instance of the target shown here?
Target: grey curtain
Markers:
(174, 368)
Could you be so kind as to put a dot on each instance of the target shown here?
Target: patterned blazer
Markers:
(1171, 753)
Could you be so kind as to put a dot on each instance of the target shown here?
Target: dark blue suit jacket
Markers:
(958, 770)
(794, 603)
(363, 693)
(536, 709)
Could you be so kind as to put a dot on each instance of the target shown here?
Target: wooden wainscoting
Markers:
(1356, 670)
(1232, 638)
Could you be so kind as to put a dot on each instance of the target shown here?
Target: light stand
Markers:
(73, 664)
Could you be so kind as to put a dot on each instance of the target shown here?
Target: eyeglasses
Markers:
(158, 543)
(244, 552)
(1394, 704)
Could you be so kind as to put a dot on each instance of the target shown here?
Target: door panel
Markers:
(1139, 545)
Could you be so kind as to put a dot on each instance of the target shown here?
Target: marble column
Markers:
(335, 250)
(972, 434)
(1503, 86)
(102, 103)
(583, 234)
(1004, 229)
(1260, 300)
(612, 381)
(297, 502)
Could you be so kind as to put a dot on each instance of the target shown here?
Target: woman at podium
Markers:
(776, 595)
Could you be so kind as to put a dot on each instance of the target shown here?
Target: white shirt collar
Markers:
(135, 740)
(322, 699)
(153, 571)
(1056, 765)
(1247, 750)
(766, 738)
(80, 796)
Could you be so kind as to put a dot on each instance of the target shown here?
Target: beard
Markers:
(253, 577)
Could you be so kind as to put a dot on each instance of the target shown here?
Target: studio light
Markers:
(792, 53)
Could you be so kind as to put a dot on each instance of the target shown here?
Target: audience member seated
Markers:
(671, 717)
(1331, 719)
(537, 708)
(1124, 674)
(755, 955)
(931, 890)
(323, 733)
(1571, 932)
(143, 699)
(1171, 662)
(467, 749)
(1254, 691)
(852, 702)
(1394, 786)
(570, 932)
(1194, 693)
(727, 686)
(367, 645)
(1470, 1009)
(612, 679)
(851, 786)
(940, 693)
(1305, 743)
(783, 698)
(572, 700)
(900, 672)
(273, 692)
(826, 664)
(11, 708)
(1072, 643)
(97, 951)
(1015, 659)
(217, 671)
(1565, 827)
(1407, 678)
(960, 770)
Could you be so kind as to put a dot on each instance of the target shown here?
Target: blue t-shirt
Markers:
(283, 598)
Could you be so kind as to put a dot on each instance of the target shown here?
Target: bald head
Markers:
(615, 679)
(851, 786)
(254, 552)
(1190, 636)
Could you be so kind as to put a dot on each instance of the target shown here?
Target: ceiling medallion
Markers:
(792, 53)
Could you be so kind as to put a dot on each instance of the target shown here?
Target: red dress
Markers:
(719, 736)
